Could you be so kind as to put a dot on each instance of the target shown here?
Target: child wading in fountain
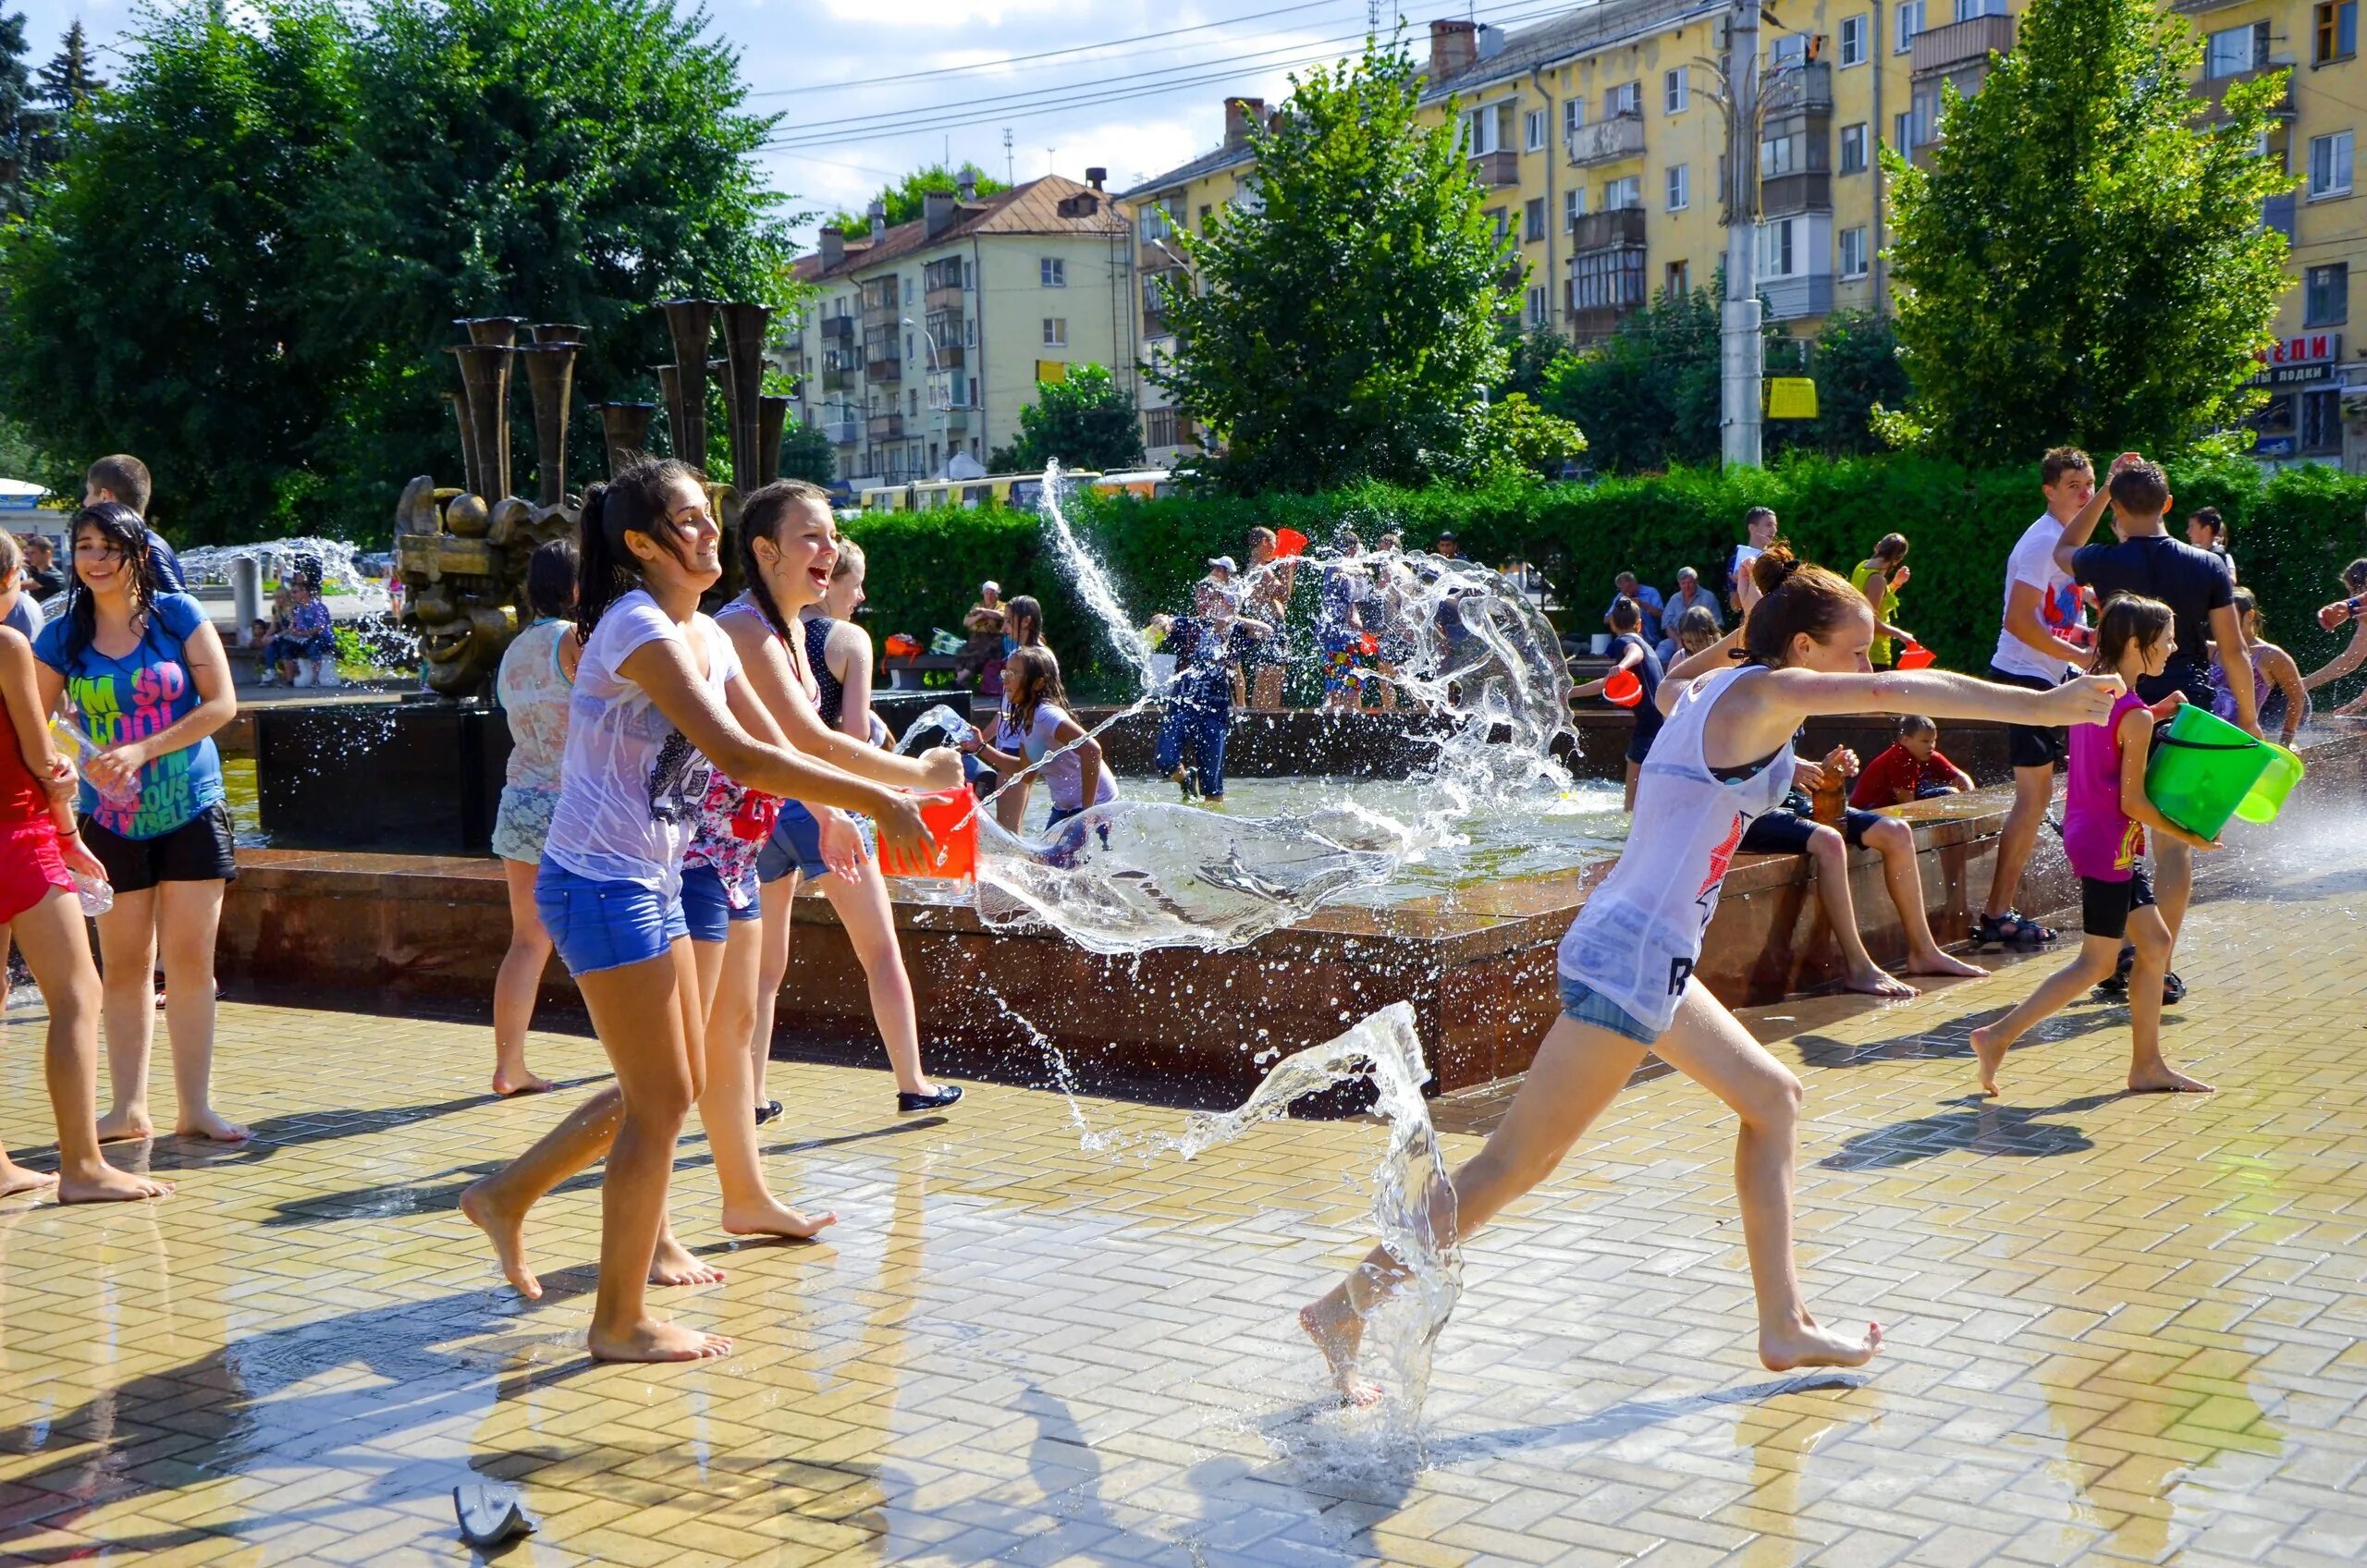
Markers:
(1199, 705)
(536, 686)
(658, 691)
(1627, 966)
(1912, 769)
(2105, 815)
(1036, 707)
(1635, 657)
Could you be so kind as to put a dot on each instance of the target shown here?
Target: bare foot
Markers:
(2163, 1079)
(651, 1341)
(118, 1127)
(506, 1231)
(774, 1218)
(213, 1126)
(1944, 965)
(1338, 1332)
(1991, 1049)
(15, 1179)
(110, 1185)
(1807, 1345)
(674, 1265)
(522, 1082)
(1877, 983)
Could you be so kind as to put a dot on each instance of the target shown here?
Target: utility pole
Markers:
(1742, 355)
(1009, 169)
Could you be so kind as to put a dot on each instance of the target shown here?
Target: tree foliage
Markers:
(903, 196)
(806, 453)
(1087, 421)
(1345, 322)
(253, 251)
(2085, 261)
(21, 119)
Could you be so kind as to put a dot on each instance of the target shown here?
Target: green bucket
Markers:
(2276, 782)
(2202, 769)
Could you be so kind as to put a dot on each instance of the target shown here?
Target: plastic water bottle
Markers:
(96, 896)
(940, 721)
(74, 741)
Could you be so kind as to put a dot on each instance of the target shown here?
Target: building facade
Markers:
(925, 340)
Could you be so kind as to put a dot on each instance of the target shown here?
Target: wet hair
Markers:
(1026, 622)
(1697, 622)
(120, 527)
(1626, 614)
(2129, 620)
(1036, 670)
(550, 580)
(2062, 461)
(123, 477)
(1756, 513)
(1262, 535)
(2247, 606)
(1916, 724)
(12, 556)
(1797, 598)
(852, 561)
(1890, 548)
(2209, 517)
(633, 502)
(2142, 490)
(2354, 576)
(761, 516)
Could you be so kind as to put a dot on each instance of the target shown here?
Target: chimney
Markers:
(969, 191)
(1240, 115)
(834, 247)
(878, 221)
(1455, 48)
(937, 212)
(1094, 177)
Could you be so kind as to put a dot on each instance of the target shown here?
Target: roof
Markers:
(1584, 30)
(1032, 208)
(1206, 163)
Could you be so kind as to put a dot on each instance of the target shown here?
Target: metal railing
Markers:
(1608, 140)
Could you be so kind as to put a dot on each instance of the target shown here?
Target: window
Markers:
(1676, 91)
(1618, 195)
(2326, 295)
(1967, 10)
(1056, 331)
(912, 402)
(1853, 149)
(1054, 271)
(1776, 255)
(1479, 131)
(1853, 252)
(1853, 40)
(1779, 156)
(1574, 207)
(1627, 98)
(1501, 219)
(1909, 22)
(1533, 131)
(1791, 51)
(2330, 166)
(2337, 32)
(1607, 279)
(1902, 131)
(1677, 278)
(2322, 422)
(1573, 115)
(1532, 228)
(1680, 187)
(907, 290)
(1534, 312)
(1207, 212)
(2236, 50)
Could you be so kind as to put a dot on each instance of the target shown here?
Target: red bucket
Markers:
(1623, 689)
(1915, 655)
(1289, 542)
(951, 816)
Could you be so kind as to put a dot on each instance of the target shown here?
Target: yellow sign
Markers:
(1791, 396)
(1051, 370)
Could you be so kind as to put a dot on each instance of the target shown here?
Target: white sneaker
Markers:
(303, 673)
(270, 677)
(327, 675)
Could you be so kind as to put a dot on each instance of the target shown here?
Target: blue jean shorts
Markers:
(600, 925)
(708, 909)
(1586, 1005)
(796, 845)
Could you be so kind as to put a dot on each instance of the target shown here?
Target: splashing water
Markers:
(340, 575)
(1090, 579)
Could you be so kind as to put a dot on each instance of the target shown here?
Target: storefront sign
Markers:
(2294, 361)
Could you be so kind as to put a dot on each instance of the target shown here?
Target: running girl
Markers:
(658, 691)
(2105, 816)
(1036, 711)
(1722, 758)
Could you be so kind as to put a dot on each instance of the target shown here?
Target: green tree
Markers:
(63, 89)
(1346, 321)
(1533, 358)
(1647, 398)
(23, 121)
(1855, 364)
(1087, 421)
(2085, 261)
(806, 453)
(903, 196)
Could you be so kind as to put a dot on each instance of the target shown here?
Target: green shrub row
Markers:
(2292, 532)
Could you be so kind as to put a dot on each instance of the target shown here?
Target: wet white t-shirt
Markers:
(2033, 562)
(630, 783)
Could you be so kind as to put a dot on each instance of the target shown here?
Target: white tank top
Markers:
(1639, 935)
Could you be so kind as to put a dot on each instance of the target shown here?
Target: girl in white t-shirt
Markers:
(1036, 721)
(1626, 968)
(658, 694)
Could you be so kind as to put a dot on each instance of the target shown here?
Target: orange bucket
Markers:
(1289, 542)
(951, 816)
(1915, 655)
(1623, 689)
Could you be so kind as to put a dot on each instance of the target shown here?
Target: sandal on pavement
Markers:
(2012, 929)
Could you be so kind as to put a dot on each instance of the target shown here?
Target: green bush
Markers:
(2292, 532)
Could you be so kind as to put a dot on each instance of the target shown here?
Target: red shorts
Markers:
(31, 866)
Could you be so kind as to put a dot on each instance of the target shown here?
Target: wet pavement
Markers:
(2121, 1330)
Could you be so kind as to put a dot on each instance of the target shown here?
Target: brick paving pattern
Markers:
(2122, 1330)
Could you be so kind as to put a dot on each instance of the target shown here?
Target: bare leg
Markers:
(2172, 884)
(1896, 842)
(57, 950)
(1268, 692)
(188, 915)
(127, 951)
(772, 973)
(1635, 771)
(728, 974)
(870, 923)
(498, 1205)
(514, 988)
(1830, 852)
(2033, 793)
(2148, 1072)
(2098, 957)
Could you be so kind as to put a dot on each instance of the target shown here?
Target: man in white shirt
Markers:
(2035, 649)
(1759, 523)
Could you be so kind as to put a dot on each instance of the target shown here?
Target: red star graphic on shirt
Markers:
(1719, 858)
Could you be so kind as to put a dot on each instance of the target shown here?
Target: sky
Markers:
(869, 89)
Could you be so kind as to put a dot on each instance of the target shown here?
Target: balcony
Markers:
(1608, 140)
(1807, 191)
(1788, 298)
(886, 427)
(1958, 44)
(887, 367)
(2276, 213)
(1592, 323)
(944, 298)
(841, 432)
(838, 331)
(1620, 228)
(1805, 89)
(838, 378)
(949, 356)
(2213, 90)
(1497, 168)
(957, 421)
(879, 304)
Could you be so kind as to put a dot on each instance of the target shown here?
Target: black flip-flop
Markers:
(768, 1111)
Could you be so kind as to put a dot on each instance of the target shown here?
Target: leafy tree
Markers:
(62, 88)
(806, 453)
(2085, 259)
(1345, 320)
(903, 196)
(21, 122)
(1087, 421)
(1534, 356)
(1647, 397)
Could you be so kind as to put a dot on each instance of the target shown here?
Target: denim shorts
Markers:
(708, 909)
(1583, 1003)
(598, 925)
(796, 845)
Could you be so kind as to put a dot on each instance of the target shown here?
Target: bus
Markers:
(1022, 491)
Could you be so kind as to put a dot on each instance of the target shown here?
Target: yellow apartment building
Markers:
(1599, 135)
(926, 339)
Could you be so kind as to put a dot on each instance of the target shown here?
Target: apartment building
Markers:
(926, 339)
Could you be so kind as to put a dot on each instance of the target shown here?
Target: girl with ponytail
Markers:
(1721, 759)
(658, 696)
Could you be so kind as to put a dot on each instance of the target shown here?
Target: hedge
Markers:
(2293, 531)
